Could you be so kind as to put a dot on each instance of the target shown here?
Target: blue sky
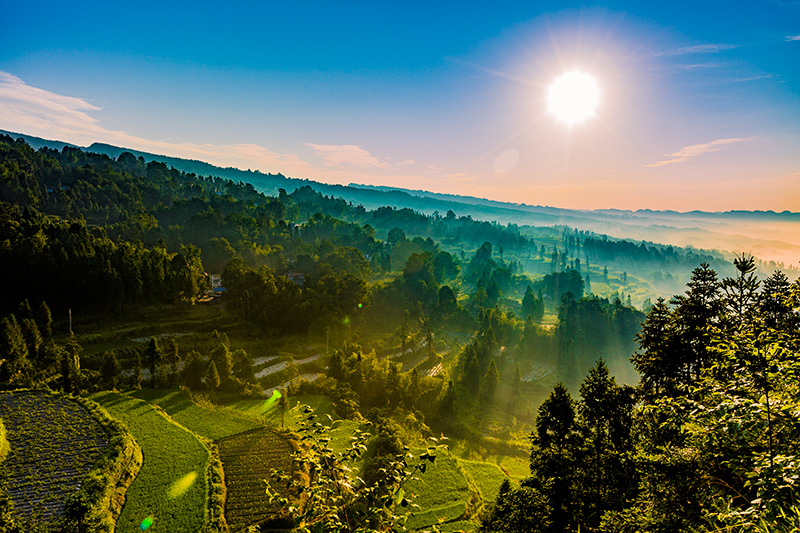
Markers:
(699, 109)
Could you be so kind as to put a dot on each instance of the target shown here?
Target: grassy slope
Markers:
(486, 476)
(211, 422)
(442, 492)
(271, 414)
(171, 455)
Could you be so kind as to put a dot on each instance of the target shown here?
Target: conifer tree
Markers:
(71, 365)
(490, 381)
(517, 380)
(154, 357)
(172, 357)
(136, 378)
(212, 376)
(16, 369)
(221, 356)
(110, 369)
(33, 338)
(44, 320)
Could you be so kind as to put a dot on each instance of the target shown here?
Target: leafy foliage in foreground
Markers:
(325, 495)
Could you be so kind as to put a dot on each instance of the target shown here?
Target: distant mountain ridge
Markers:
(371, 194)
(766, 234)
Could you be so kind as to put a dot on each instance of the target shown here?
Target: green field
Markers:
(486, 476)
(271, 411)
(340, 435)
(515, 468)
(207, 421)
(442, 492)
(171, 486)
(459, 526)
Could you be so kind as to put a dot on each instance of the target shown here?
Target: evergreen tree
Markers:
(154, 357)
(447, 403)
(212, 376)
(110, 370)
(521, 510)
(741, 292)
(490, 381)
(775, 304)
(171, 357)
(656, 360)
(24, 310)
(553, 456)
(528, 303)
(243, 366)
(194, 370)
(221, 356)
(16, 369)
(71, 366)
(44, 320)
(136, 376)
(472, 373)
(33, 338)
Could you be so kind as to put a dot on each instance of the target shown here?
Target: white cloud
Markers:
(41, 113)
(694, 150)
(708, 48)
(793, 37)
(347, 154)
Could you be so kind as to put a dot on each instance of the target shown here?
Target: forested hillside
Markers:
(123, 274)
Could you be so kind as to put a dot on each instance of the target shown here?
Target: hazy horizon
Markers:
(693, 112)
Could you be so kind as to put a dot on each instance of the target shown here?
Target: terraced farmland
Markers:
(211, 422)
(54, 442)
(486, 476)
(170, 491)
(442, 493)
(248, 459)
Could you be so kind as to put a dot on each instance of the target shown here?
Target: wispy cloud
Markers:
(695, 66)
(34, 111)
(347, 155)
(708, 48)
(793, 37)
(689, 152)
(753, 78)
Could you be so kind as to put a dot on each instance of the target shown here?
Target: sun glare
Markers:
(573, 97)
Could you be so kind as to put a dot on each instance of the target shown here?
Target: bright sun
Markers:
(573, 97)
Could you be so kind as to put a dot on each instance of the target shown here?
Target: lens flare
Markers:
(146, 523)
(182, 485)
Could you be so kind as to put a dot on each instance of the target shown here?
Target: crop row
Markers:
(248, 459)
(54, 442)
